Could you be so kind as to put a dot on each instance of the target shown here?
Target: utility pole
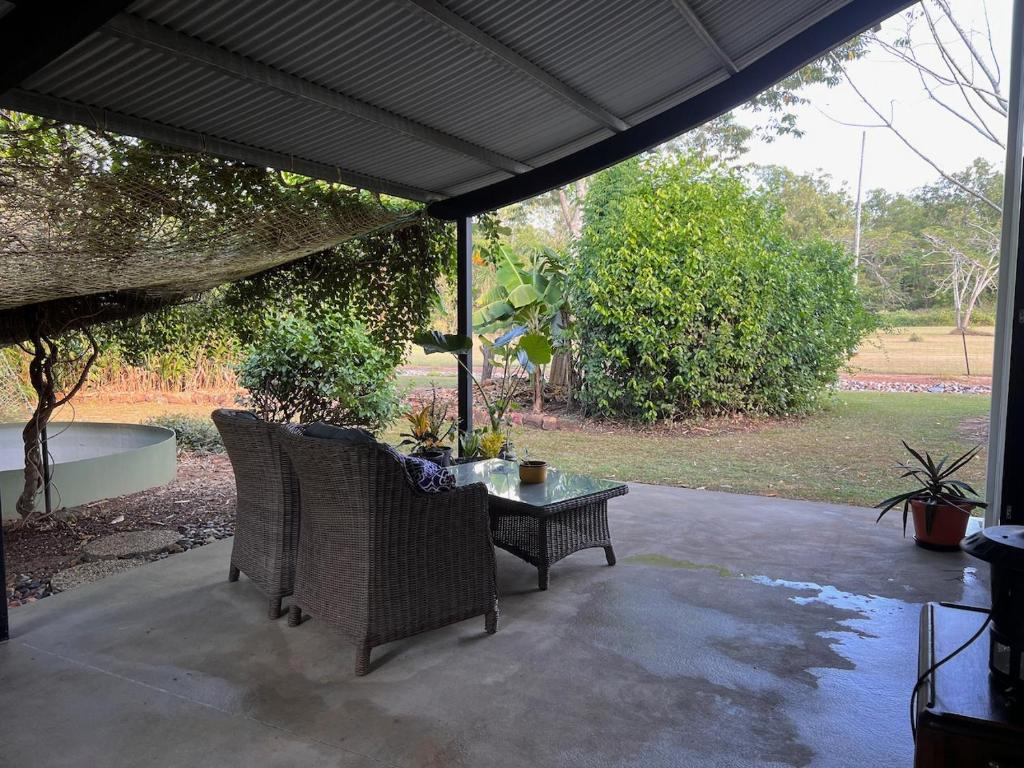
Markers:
(856, 224)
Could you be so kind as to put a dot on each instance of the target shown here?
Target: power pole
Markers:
(856, 224)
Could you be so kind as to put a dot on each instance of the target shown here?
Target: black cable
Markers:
(928, 672)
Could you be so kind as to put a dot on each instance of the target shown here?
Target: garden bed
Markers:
(198, 505)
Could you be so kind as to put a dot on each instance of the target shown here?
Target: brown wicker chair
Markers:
(378, 558)
(267, 517)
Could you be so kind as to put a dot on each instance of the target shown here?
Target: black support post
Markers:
(1005, 487)
(1012, 495)
(464, 301)
(5, 627)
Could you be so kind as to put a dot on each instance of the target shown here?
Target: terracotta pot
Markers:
(533, 472)
(949, 524)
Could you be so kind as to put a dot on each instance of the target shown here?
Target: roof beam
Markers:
(34, 34)
(509, 58)
(801, 49)
(158, 37)
(702, 32)
(117, 122)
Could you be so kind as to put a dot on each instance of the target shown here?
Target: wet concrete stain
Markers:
(663, 561)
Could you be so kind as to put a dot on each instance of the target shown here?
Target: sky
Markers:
(834, 148)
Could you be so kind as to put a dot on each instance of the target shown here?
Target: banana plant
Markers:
(527, 293)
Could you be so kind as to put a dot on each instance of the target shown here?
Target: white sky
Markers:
(834, 148)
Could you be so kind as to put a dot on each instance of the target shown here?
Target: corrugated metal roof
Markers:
(427, 98)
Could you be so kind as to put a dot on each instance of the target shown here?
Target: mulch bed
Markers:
(198, 504)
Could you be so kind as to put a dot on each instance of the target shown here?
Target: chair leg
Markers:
(294, 616)
(363, 659)
(609, 555)
(491, 622)
(274, 608)
(232, 573)
(542, 577)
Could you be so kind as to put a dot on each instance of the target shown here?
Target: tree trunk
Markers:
(538, 390)
(45, 355)
(558, 374)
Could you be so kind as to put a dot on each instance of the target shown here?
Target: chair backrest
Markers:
(341, 478)
(263, 473)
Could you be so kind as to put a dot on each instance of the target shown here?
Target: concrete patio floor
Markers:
(735, 631)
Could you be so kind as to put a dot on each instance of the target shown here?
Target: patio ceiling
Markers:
(466, 104)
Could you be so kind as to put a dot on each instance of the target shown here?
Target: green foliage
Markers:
(328, 369)
(810, 206)
(933, 316)
(194, 434)
(388, 280)
(688, 298)
(934, 484)
(515, 352)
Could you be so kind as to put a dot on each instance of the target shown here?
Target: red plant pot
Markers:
(949, 524)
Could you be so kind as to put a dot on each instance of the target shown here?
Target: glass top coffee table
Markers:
(544, 522)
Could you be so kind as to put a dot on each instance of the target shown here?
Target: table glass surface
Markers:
(502, 480)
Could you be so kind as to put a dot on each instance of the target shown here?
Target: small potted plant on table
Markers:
(532, 471)
(940, 504)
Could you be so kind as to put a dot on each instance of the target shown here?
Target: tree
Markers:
(958, 70)
(689, 298)
(810, 206)
(965, 235)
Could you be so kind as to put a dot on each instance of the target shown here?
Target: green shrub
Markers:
(328, 370)
(941, 316)
(195, 434)
(689, 300)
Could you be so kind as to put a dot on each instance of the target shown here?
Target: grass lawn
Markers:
(844, 454)
(926, 350)
(934, 350)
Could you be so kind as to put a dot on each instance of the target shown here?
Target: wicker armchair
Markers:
(379, 559)
(267, 518)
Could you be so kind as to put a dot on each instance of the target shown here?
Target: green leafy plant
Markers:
(194, 434)
(430, 428)
(529, 293)
(935, 486)
(470, 444)
(509, 352)
(688, 298)
(330, 370)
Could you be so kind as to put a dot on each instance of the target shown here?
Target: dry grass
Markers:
(939, 352)
(132, 413)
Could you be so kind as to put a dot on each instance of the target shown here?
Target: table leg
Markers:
(542, 554)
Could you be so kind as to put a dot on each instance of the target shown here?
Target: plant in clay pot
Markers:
(532, 471)
(940, 504)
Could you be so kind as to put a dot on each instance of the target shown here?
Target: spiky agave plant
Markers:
(936, 486)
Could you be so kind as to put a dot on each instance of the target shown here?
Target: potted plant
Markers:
(940, 504)
(517, 352)
(469, 448)
(532, 471)
(430, 428)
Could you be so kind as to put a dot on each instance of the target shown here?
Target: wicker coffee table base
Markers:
(544, 540)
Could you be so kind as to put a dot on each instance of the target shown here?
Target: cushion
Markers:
(428, 476)
(348, 435)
